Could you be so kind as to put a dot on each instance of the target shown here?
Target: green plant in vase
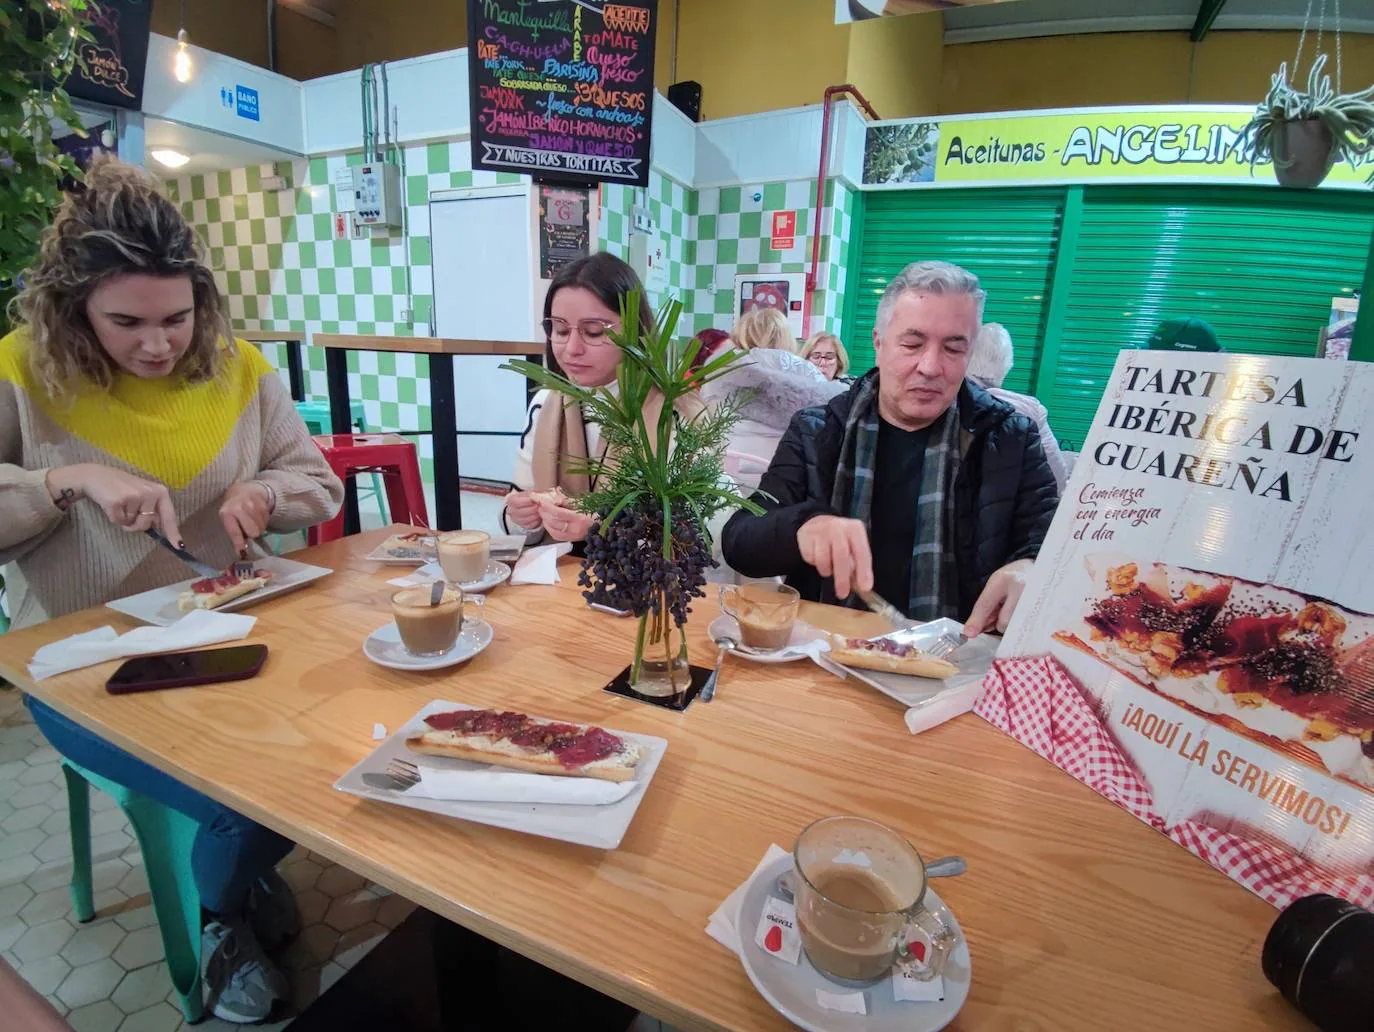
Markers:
(654, 492)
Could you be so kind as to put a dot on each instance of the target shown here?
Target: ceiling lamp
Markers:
(170, 158)
(181, 63)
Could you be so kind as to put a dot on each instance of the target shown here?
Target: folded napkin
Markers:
(540, 565)
(427, 574)
(196, 628)
(513, 786)
(943, 706)
(722, 924)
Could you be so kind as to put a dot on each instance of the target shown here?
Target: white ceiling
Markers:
(209, 152)
(1062, 17)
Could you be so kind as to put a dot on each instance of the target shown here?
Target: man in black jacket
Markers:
(915, 483)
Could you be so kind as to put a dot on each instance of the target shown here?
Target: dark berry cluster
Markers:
(625, 567)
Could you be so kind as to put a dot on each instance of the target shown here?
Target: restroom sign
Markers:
(784, 236)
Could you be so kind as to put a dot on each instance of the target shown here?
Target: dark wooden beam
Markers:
(1206, 14)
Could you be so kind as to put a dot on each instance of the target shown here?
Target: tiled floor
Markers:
(108, 975)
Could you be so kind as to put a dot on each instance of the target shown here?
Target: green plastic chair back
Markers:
(166, 837)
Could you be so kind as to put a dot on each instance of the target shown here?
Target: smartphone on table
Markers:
(184, 669)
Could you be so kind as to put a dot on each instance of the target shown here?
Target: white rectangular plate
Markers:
(160, 607)
(972, 660)
(599, 826)
(381, 555)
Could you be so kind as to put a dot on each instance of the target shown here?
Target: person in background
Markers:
(914, 483)
(126, 405)
(764, 328)
(1190, 334)
(992, 360)
(581, 309)
(826, 352)
(711, 342)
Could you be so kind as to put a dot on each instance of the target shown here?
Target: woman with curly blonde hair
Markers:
(125, 405)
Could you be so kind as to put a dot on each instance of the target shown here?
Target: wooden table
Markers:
(448, 505)
(1078, 916)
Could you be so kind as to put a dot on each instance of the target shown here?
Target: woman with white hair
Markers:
(992, 360)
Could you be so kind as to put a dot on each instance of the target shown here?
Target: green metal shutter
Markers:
(1008, 238)
(1260, 264)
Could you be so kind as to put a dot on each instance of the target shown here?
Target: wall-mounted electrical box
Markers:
(377, 193)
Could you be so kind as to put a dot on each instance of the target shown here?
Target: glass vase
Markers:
(660, 667)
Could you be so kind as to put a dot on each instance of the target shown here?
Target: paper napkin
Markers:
(501, 786)
(196, 628)
(944, 706)
(721, 925)
(540, 565)
(427, 574)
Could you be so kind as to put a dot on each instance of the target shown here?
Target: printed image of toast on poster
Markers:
(1196, 642)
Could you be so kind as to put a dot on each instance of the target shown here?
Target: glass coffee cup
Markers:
(765, 613)
(464, 555)
(860, 894)
(426, 627)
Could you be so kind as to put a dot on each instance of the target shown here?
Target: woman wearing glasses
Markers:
(580, 310)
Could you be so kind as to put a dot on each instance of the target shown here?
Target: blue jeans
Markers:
(230, 852)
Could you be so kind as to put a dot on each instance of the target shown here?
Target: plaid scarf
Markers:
(934, 588)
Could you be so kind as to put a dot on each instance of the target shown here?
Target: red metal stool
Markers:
(393, 457)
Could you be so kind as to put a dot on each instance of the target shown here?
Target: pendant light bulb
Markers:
(181, 64)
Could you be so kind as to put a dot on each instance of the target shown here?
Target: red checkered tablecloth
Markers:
(1036, 701)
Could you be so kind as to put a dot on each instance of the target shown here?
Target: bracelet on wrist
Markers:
(271, 494)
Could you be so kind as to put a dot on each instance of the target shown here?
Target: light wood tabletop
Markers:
(1077, 915)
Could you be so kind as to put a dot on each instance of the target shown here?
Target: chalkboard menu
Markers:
(562, 90)
(109, 67)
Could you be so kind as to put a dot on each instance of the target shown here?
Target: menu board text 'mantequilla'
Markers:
(562, 89)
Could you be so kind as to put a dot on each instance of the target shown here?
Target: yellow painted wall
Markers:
(896, 63)
(1127, 68)
(761, 55)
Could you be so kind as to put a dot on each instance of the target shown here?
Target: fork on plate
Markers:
(404, 773)
(946, 645)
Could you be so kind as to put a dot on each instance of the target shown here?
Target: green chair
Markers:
(318, 421)
(165, 836)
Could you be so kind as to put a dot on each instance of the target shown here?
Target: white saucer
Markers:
(791, 989)
(497, 573)
(383, 646)
(802, 634)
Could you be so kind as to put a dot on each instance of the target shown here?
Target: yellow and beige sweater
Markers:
(197, 439)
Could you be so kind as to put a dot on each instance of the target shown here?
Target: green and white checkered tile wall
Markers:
(277, 261)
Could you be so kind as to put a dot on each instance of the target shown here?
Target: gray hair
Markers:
(930, 278)
(993, 355)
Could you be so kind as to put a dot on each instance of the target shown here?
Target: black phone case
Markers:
(190, 680)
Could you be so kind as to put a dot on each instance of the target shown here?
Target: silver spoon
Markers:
(725, 644)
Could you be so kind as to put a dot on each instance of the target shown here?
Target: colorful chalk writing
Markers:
(562, 89)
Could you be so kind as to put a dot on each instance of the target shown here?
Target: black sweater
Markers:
(1004, 496)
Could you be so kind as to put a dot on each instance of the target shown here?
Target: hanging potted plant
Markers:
(1305, 133)
(656, 489)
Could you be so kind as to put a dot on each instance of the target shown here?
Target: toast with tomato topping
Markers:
(519, 742)
(889, 657)
(213, 592)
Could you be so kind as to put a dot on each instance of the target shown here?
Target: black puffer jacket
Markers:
(1004, 496)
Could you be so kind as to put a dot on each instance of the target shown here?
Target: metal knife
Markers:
(885, 609)
(204, 569)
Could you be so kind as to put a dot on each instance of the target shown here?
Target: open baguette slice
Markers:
(483, 749)
(190, 600)
(851, 652)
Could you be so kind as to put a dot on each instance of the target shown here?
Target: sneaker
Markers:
(273, 912)
(241, 984)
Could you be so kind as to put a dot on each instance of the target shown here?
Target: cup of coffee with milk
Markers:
(765, 613)
(464, 555)
(860, 894)
(430, 618)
